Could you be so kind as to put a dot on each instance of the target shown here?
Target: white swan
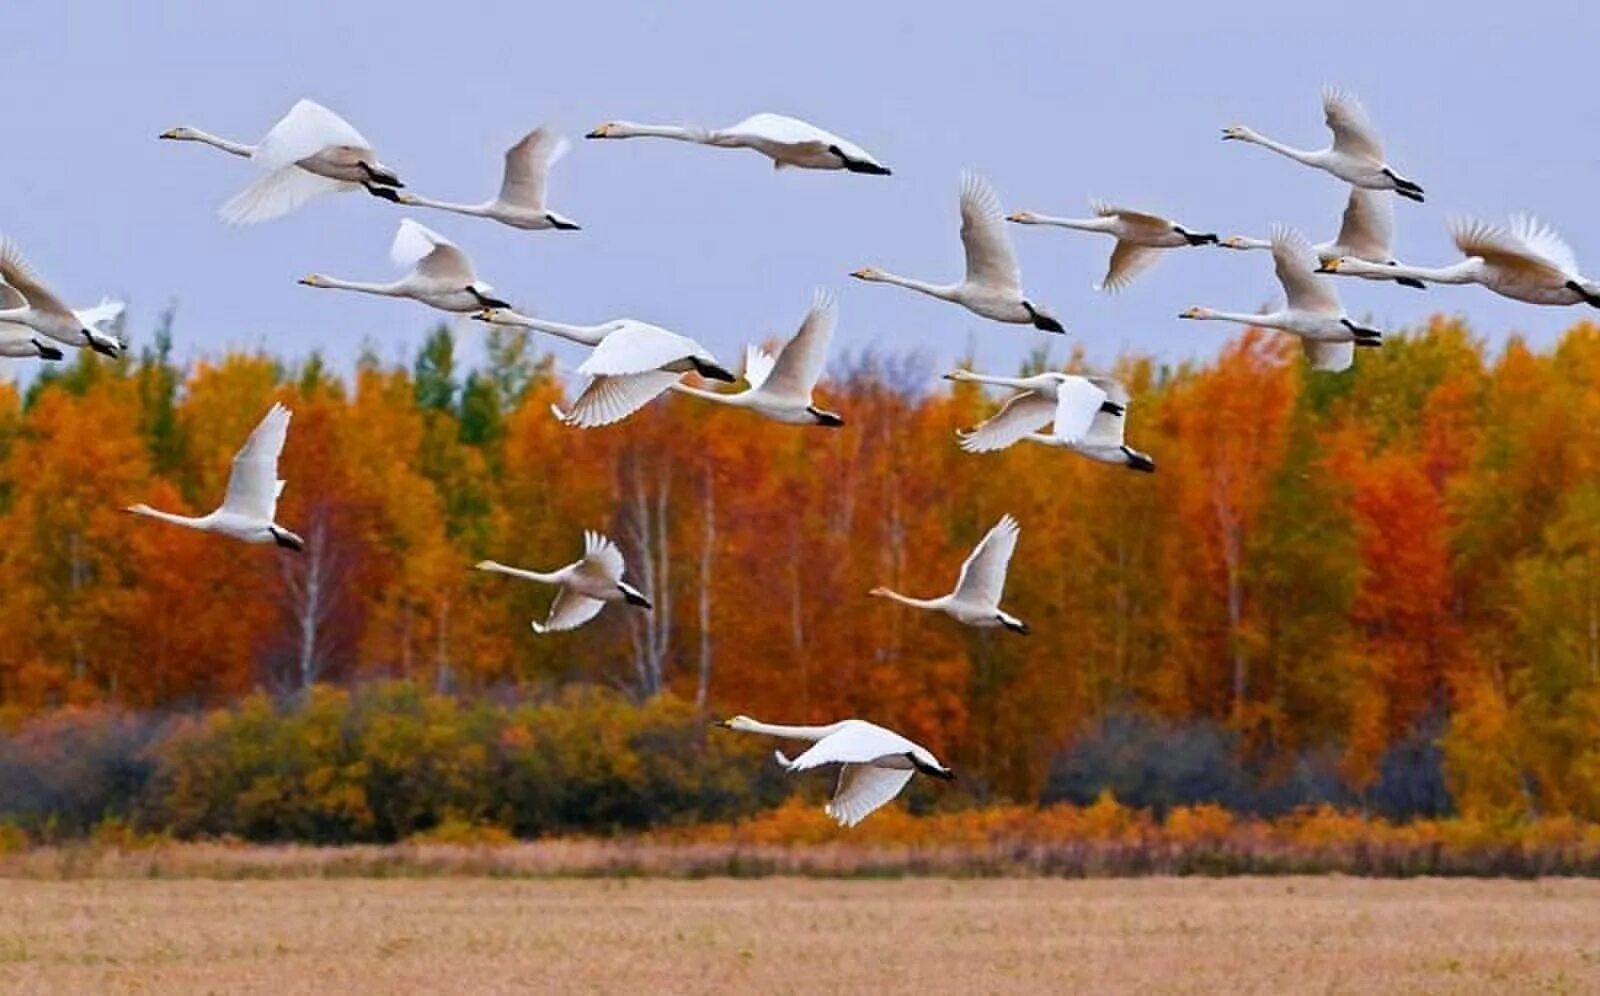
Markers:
(523, 187)
(786, 141)
(1093, 428)
(1528, 261)
(875, 763)
(441, 274)
(26, 301)
(993, 284)
(310, 151)
(1139, 236)
(1365, 232)
(1356, 155)
(586, 584)
(1314, 313)
(251, 504)
(781, 388)
(976, 600)
(632, 364)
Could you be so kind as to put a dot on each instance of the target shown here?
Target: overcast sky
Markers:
(1487, 105)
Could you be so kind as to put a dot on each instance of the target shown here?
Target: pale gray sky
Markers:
(1485, 104)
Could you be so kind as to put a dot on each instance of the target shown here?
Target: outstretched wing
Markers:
(1152, 224)
(253, 485)
(757, 366)
(1078, 400)
(527, 176)
(983, 575)
(1023, 414)
(1110, 419)
(307, 129)
(799, 364)
(281, 191)
(1329, 356)
(609, 399)
(1353, 132)
(1367, 227)
(636, 347)
(864, 788)
(990, 260)
(1128, 260)
(106, 311)
(1547, 256)
(601, 555)
(1291, 257)
(434, 257)
(569, 611)
(20, 277)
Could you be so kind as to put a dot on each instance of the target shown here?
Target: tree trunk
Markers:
(708, 541)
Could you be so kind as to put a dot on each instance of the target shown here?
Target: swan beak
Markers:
(310, 281)
(600, 132)
(726, 724)
(169, 133)
(486, 315)
(1328, 266)
(1020, 217)
(865, 273)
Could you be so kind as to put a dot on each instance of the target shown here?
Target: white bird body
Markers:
(1088, 415)
(786, 141)
(1356, 155)
(586, 584)
(524, 185)
(1365, 233)
(1527, 261)
(1139, 236)
(310, 151)
(250, 506)
(781, 387)
(992, 287)
(875, 763)
(441, 275)
(1313, 310)
(26, 301)
(632, 364)
(976, 599)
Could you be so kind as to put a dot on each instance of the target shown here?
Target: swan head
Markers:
(958, 374)
(611, 129)
(179, 134)
(1195, 313)
(1332, 264)
(1234, 242)
(738, 723)
(314, 280)
(1238, 133)
(1023, 217)
(867, 273)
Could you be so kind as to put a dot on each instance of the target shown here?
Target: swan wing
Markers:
(1128, 260)
(635, 347)
(276, 194)
(569, 611)
(1106, 427)
(20, 277)
(433, 257)
(1150, 224)
(757, 366)
(307, 129)
(1078, 400)
(106, 311)
(1023, 414)
(983, 574)
(864, 788)
(1510, 250)
(609, 399)
(1291, 257)
(1353, 133)
(527, 175)
(1329, 356)
(800, 362)
(1367, 227)
(253, 484)
(1545, 242)
(854, 742)
(990, 259)
(601, 556)
(782, 129)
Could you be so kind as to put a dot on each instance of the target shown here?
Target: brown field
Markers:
(781, 935)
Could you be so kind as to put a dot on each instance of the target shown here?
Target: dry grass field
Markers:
(462, 935)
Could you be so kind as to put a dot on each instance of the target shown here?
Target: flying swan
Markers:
(1356, 155)
(1094, 429)
(523, 187)
(311, 151)
(786, 141)
(632, 364)
(441, 274)
(993, 284)
(781, 388)
(1527, 261)
(1139, 237)
(1365, 233)
(1088, 412)
(875, 763)
(976, 600)
(586, 585)
(251, 504)
(1314, 313)
(26, 301)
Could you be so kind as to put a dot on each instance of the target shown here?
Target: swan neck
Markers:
(588, 335)
(518, 572)
(945, 292)
(476, 210)
(1300, 155)
(387, 290)
(216, 141)
(1081, 224)
(793, 732)
(676, 132)
(192, 522)
(720, 398)
(916, 603)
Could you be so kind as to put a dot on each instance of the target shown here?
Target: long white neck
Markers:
(944, 292)
(193, 522)
(1081, 224)
(915, 603)
(737, 399)
(226, 145)
(393, 289)
(476, 210)
(1269, 320)
(1244, 242)
(588, 335)
(517, 572)
(1306, 156)
(628, 129)
(1465, 272)
(977, 378)
(791, 732)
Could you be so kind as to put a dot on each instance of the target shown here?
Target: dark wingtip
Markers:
(714, 371)
(634, 598)
(1045, 323)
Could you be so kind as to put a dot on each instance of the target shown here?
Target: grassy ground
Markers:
(463, 935)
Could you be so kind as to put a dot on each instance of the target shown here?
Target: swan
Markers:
(1314, 313)
(1138, 237)
(1090, 427)
(875, 763)
(1365, 232)
(786, 141)
(249, 507)
(586, 584)
(993, 284)
(26, 301)
(1356, 155)
(1527, 261)
(441, 274)
(632, 364)
(522, 187)
(976, 600)
(781, 388)
(310, 151)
